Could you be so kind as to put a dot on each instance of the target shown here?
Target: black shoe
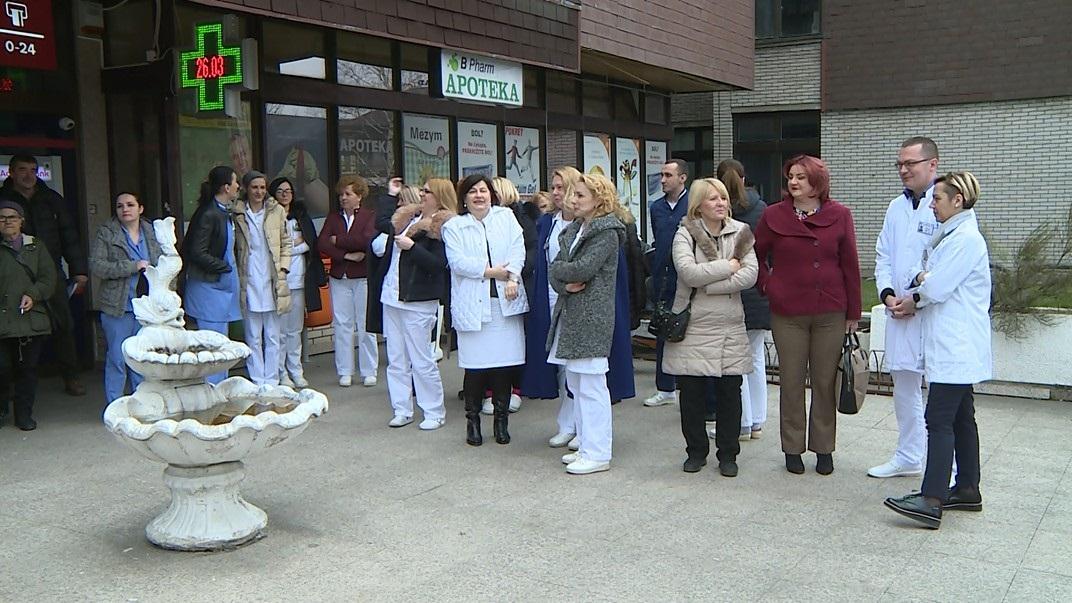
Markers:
(962, 499)
(794, 464)
(728, 468)
(824, 465)
(472, 423)
(73, 386)
(914, 507)
(502, 420)
(693, 465)
(26, 424)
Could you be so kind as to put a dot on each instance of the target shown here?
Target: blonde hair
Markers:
(409, 195)
(603, 191)
(543, 202)
(444, 192)
(570, 176)
(701, 190)
(964, 183)
(506, 191)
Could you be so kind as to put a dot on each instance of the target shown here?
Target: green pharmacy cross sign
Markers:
(211, 67)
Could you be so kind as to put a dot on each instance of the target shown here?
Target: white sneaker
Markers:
(430, 424)
(571, 457)
(583, 466)
(746, 434)
(345, 381)
(400, 421)
(575, 443)
(300, 382)
(661, 399)
(892, 469)
(488, 408)
(515, 402)
(285, 381)
(560, 439)
(369, 381)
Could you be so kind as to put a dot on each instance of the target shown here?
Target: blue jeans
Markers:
(116, 372)
(951, 430)
(219, 327)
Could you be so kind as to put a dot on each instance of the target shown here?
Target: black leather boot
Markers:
(502, 418)
(472, 422)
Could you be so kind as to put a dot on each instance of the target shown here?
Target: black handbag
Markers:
(852, 376)
(666, 324)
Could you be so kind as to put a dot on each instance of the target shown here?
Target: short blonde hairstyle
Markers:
(444, 192)
(409, 195)
(506, 190)
(603, 191)
(543, 202)
(359, 184)
(699, 192)
(964, 183)
(570, 176)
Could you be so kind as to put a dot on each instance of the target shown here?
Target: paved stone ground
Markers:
(360, 512)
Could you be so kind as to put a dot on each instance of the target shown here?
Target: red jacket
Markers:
(361, 233)
(809, 267)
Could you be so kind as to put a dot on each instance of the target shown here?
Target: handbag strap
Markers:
(662, 285)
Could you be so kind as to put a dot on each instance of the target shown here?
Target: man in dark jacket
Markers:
(48, 219)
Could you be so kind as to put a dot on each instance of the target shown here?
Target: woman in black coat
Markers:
(304, 280)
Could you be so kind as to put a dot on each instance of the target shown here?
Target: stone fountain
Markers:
(202, 432)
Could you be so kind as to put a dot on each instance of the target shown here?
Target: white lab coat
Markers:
(954, 304)
(906, 232)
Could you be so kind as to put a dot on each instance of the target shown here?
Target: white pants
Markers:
(754, 384)
(567, 409)
(411, 365)
(911, 426)
(262, 337)
(349, 297)
(293, 322)
(592, 399)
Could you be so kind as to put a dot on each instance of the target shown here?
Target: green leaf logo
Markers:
(453, 62)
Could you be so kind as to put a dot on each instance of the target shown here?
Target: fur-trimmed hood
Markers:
(744, 242)
(430, 225)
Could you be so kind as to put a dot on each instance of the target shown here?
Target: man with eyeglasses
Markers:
(908, 226)
(48, 219)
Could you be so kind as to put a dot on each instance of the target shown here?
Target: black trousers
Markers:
(18, 366)
(693, 404)
(63, 344)
(499, 381)
(951, 429)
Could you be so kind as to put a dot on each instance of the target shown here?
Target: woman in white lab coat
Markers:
(951, 292)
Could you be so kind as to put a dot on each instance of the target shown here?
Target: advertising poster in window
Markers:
(296, 139)
(597, 155)
(205, 142)
(478, 149)
(523, 159)
(425, 148)
(654, 158)
(366, 147)
(628, 174)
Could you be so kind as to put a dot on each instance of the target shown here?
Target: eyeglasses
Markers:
(284, 191)
(12, 218)
(911, 162)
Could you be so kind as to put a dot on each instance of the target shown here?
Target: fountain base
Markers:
(207, 511)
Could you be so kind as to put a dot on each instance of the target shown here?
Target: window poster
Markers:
(297, 148)
(597, 155)
(366, 145)
(628, 174)
(654, 158)
(478, 149)
(207, 141)
(425, 148)
(523, 159)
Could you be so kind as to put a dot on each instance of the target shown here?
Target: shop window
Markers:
(367, 144)
(414, 69)
(626, 103)
(762, 142)
(364, 61)
(293, 50)
(296, 146)
(695, 146)
(135, 151)
(787, 18)
(208, 140)
(595, 101)
(426, 146)
(655, 108)
(561, 93)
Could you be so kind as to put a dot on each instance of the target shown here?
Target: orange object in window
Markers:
(321, 317)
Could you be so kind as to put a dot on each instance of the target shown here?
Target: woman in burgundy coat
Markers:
(810, 272)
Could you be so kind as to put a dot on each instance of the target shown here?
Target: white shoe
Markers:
(285, 381)
(571, 457)
(369, 381)
(515, 402)
(300, 382)
(746, 434)
(430, 424)
(661, 399)
(892, 469)
(583, 466)
(561, 439)
(575, 443)
(488, 408)
(345, 381)
(400, 421)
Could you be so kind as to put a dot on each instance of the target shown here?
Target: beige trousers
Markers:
(808, 345)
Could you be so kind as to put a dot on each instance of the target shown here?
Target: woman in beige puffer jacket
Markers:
(715, 261)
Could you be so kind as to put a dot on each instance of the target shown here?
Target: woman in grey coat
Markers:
(124, 247)
(579, 340)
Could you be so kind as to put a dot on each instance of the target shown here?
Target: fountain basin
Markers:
(164, 354)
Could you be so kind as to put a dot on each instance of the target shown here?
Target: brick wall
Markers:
(712, 39)
(880, 53)
(787, 78)
(561, 150)
(532, 31)
(691, 110)
(1019, 150)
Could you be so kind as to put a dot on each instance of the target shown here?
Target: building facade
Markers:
(848, 80)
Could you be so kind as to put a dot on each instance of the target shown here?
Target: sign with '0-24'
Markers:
(27, 37)
(474, 77)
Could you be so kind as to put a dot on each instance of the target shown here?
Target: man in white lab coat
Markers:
(906, 230)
